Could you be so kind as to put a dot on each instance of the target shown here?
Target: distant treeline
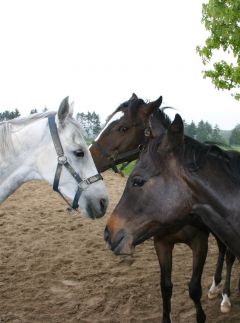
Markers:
(90, 121)
(8, 115)
(203, 131)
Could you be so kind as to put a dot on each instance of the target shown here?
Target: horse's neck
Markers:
(15, 178)
(226, 228)
(18, 165)
(218, 199)
(212, 183)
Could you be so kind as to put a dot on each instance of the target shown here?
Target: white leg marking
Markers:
(226, 304)
(214, 290)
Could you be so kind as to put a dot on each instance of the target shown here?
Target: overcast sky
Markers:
(100, 51)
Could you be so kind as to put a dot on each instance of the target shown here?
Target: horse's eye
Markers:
(123, 129)
(138, 182)
(79, 153)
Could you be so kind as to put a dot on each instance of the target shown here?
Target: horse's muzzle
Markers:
(120, 242)
(97, 210)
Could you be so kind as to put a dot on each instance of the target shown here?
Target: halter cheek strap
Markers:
(62, 161)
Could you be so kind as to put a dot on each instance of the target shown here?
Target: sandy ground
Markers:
(54, 267)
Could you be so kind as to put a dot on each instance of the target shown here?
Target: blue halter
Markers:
(62, 161)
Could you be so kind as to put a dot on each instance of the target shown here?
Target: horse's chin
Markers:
(125, 247)
(86, 210)
(90, 213)
(87, 214)
(143, 237)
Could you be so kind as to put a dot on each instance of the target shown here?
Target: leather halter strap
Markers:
(82, 184)
(117, 159)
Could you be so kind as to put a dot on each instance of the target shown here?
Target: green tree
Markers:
(191, 130)
(204, 131)
(84, 122)
(90, 123)
(209, 129)
(235, 136)
(185, 126)
(96, 124)
(216, 135)
(8, 115)
(222, 19)
(33, 111)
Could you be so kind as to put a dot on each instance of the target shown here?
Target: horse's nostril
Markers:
(103, 205)
(114, 239)
(107, 235)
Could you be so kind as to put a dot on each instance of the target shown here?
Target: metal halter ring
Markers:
(147, 132)
(62, 160)
(141, 147)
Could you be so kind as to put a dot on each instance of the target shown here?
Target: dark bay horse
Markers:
(114, 139)
(180, 177)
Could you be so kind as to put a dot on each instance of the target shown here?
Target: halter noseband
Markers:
(116, 159)
(62, 161)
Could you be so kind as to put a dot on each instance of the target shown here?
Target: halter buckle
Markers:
(62, 160)
(88, 181)
(147, 132)
(94, 179)
(83, 185)
(141, 148)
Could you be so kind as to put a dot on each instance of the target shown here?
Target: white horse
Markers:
(28, 152)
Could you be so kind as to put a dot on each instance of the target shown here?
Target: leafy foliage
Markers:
(222, 19)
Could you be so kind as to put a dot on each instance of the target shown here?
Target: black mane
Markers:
(161, 117)
(197, 153)
(132, 105)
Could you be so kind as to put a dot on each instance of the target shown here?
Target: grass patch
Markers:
(127, 171)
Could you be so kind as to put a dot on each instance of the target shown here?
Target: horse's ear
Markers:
(177, 125)
(176, 131)
(156, 124)
(64, 110)
(133, 97)
(150, 107)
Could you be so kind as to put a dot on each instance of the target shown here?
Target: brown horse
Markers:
(196, 238)
(123, 133)
(175, 176)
